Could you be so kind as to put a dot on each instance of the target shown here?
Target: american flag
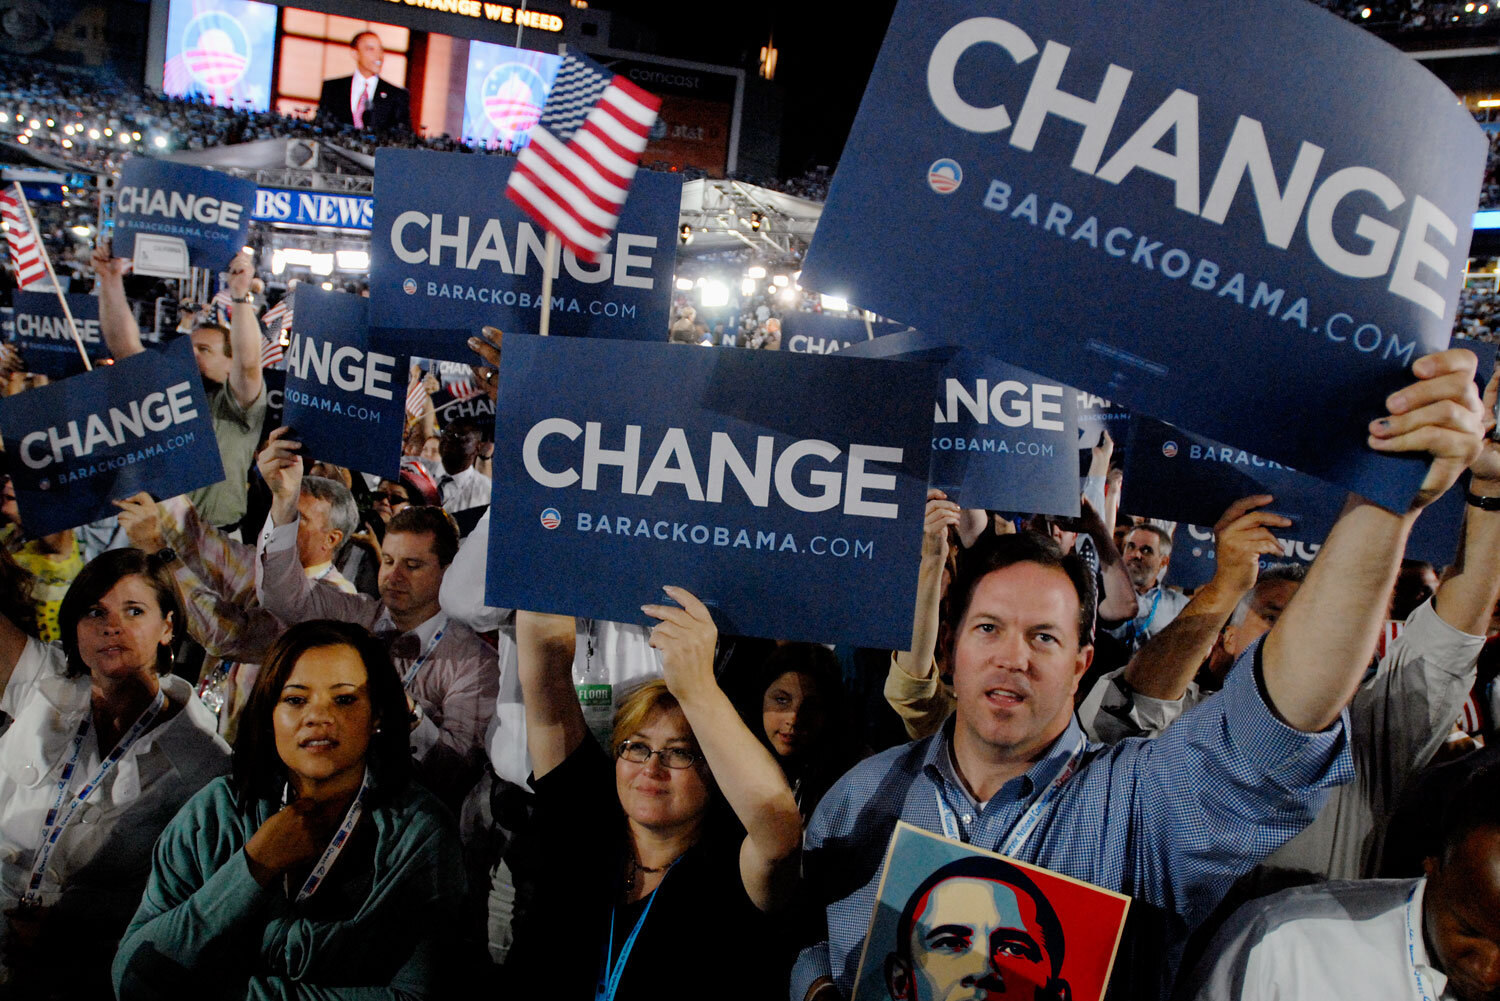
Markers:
(279, 316)
(223, 306)
(271, 352)
(464, 389)
(25, 250)
(574, 175)
(416, 398)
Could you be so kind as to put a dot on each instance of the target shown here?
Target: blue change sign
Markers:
(1147, 206)
(141, 424)
(345, 401)
(1174, 475)
(170, 215)
(743, 476)
(450, 254)
(1003, 439)
(314, 208)
(1097, 415)
(821, 334)
(43, 336)
(1194, 560)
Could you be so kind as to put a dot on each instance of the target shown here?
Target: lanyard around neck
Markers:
(1027, 824)
(411, 672)
(1417, 976)
(614, 968)
(336, 846)
(57, 818)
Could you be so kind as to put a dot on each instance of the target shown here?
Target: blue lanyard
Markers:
(57, 818)
(1139, 625)
(1026, 826)
(411, 672)
(614, 969)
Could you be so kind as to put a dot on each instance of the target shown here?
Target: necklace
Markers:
(636, 868)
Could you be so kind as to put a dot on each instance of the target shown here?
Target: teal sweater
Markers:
(377, 928)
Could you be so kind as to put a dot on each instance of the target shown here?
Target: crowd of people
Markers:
(1412, 15)
(265, 738)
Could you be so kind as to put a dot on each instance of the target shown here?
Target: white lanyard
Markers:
(1418, 977)
(411, 672)
(1022, 831)
(58, 817)
(340, 838)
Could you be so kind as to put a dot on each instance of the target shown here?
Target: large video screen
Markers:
(504, 93)
(221, 51)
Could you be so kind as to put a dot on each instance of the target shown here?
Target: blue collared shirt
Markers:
(1172, 822)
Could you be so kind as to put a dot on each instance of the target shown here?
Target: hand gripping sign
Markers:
(1146, 205)
(743, 476)
(141, 424)
(170, 217)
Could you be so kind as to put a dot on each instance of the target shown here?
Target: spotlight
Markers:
(685, 234)
(756, 221)
(755, 271)
(684, 284)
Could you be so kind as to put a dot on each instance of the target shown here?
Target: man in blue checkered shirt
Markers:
(1172, 822)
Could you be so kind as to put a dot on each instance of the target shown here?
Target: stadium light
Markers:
(278, 261)
(93, 134)
(685, 234)
(160, 142)
(67, 144)
(34, 124)
(136, 136)
(328, 286)
(353, 260)
(833, 302)
(1468, 8)
(684, 284)
(1488, 103)
(4, 118)
(81, 230)
(108, 133)
(713, 293)
(23, 139)
(788, 294)
(1365, 14)
(756, 271)
(781, 281)
(747, 287)
(51, 124)
(320, 264)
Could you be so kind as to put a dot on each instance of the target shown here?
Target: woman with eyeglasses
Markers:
(644, 889)
(104, 746)
(316, 869)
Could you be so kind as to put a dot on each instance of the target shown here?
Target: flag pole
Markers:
(869, 331)
(36, 235)
(549, 268)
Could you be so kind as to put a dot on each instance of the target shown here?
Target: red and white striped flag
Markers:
(464, 389)
(279, 316)
(25, 249)
(573, 176)
(416, 398)
(271, 352)
(223, 306)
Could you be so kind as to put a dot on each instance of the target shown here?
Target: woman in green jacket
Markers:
(316, 869)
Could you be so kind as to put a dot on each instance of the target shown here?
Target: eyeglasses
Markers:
(673, 757)
(390, 498)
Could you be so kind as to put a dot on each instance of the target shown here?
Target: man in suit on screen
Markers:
(364, 100)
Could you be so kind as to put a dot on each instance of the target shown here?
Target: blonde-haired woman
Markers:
(643, 888)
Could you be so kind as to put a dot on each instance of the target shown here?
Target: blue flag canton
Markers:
(580, 81)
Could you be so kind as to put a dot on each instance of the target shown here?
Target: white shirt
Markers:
(361, 84)
(461, 491)
(611, 660)
(1332, 941)
(112, 833)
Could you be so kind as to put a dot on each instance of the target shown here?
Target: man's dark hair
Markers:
(1294, 573)
(96, 580)
(354, 42)
(1474, 804)
(258, 771)
(996, 552)
(997, 871)
(221, 329)
(419, 520)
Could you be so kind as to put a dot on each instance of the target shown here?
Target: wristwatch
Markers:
(247, 297)
(1483, 503)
